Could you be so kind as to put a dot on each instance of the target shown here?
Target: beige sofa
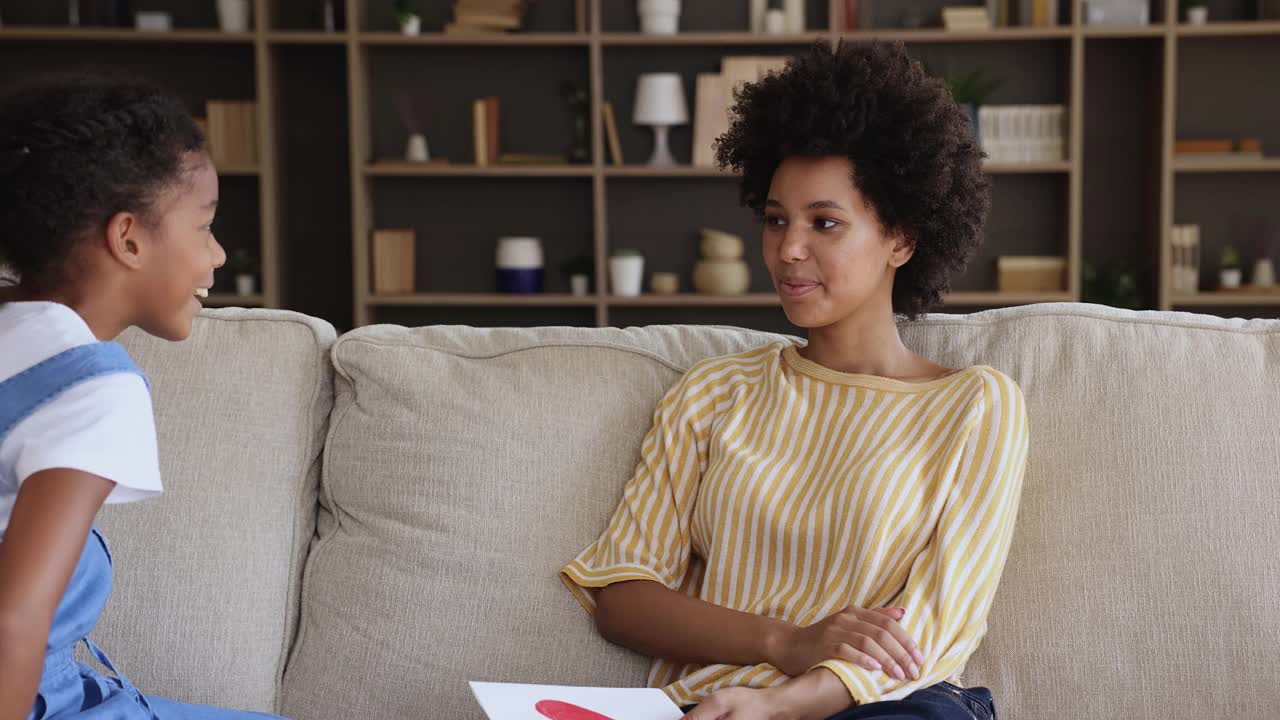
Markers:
(356, 527)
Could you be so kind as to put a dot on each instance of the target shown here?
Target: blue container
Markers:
(520, 281)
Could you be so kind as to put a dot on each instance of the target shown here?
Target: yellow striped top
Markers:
(773, 485)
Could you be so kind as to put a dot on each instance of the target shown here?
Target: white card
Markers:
(511, 701)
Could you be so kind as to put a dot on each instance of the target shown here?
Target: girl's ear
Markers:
(124, 239)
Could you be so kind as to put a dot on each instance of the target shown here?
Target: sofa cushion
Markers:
(207, 575)
(464, 467)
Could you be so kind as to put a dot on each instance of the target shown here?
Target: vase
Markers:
(233, 15)
(246, 285)
(1198, 15)
(416, 148)
(411, 25)
(717, 245)
(579, 284)
(659, 17)
(1264, 273)
(519, 265)
(665, 283)
(626, 274)
(721, 277)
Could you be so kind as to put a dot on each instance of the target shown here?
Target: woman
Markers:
(817, 530)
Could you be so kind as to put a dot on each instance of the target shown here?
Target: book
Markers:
(710, 117)
(393, 261)
(611, 133)
(531, 159)
(489, 20)
(479, 130)
(492, 135)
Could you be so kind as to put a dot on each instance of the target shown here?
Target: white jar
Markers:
(659, 17)
(626, 275)
(233, 15)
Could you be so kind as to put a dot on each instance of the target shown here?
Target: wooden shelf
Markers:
(408, 169)
(937, 35)
(119, 35)
(1123, 31)
(1227, 298)
(1059, 166)
(306, 37)
(232, 300)
(676, 171)
(996, 297)
(696, 300)
(1227, 166)
(1229, 29)
(518, 39)
(711, 38)
(482, 300)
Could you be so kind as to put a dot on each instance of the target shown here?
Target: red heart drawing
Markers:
(557, 710)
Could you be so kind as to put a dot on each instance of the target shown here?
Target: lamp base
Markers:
(661, 151)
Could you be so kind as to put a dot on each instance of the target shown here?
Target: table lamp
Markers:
(660, 102)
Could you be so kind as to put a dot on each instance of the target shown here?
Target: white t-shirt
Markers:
(103, 426)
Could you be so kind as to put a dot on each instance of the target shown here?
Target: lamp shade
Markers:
(660, 100)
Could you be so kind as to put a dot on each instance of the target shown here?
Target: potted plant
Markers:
(578, 269)
(1229, 268)
(244, 267)
(407, 17)
(970, 90)
(626, 272)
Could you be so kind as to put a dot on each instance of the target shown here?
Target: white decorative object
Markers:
(775, 22)
(626, 273)
(1264, 273)
(1230, 278)
(519, 263)
(659, 17)
(233, 15)
(150, 21)
(794, 10)
(416, 149)
(579, 284)
(660, 102)
(410, 25)
(1117, 12)
(1023, 133)
(1185, 242)
(246, 285)
(1198, 14)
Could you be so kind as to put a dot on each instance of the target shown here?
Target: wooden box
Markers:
(393, 261)
(1031, 274)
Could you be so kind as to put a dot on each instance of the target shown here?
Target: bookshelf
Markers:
(334, 170)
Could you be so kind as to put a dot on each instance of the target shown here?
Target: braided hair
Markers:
(74, 151)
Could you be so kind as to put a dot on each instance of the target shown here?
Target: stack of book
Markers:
(714, 98)
(479, 17)
(1185, 240)
(231, 132)
(966, 18)
(1023, 133)
(1023, 13)
(1210, 151)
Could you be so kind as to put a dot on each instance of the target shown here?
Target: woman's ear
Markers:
(903, 249)
(124, 239)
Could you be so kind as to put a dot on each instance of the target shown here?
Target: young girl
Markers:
(106, 200)
(817, 530)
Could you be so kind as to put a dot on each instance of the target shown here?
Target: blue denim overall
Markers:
(70, 689)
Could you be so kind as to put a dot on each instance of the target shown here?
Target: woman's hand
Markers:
(740, 703)
(873, 639)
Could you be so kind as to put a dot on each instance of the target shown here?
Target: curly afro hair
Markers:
(74, 151)
(912, 148)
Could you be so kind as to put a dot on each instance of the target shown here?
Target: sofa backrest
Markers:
(464, 467)
(208, 574)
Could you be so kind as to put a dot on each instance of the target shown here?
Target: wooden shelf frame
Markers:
(602, 174)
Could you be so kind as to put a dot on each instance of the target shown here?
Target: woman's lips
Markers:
(796, 288)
